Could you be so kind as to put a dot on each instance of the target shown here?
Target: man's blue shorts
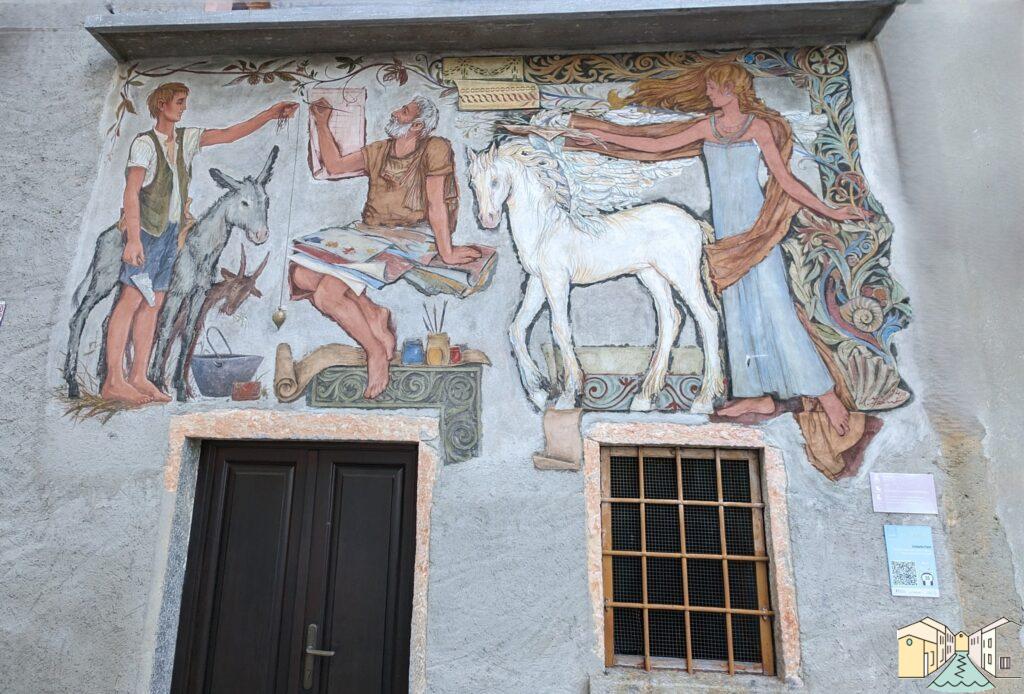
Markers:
(160, 252)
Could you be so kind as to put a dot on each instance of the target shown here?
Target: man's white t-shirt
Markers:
(143, 155)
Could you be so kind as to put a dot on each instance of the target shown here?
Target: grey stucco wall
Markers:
(957, 133)
(508, 604)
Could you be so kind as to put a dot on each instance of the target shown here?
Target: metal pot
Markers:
(216, 373)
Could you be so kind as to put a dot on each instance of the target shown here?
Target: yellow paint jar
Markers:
(438, 349)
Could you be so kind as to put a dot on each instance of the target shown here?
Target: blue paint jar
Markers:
(412, 352)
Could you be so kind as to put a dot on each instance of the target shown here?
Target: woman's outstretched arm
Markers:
(664, 143)
(793, 187)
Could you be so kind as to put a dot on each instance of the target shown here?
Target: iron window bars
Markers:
(684, 560)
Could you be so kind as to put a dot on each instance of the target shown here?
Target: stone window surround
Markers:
(186, 434)
(786, 625)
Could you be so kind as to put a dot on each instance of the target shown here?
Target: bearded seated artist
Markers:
(411, 177)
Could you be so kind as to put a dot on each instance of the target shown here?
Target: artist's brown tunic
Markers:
(397, 195)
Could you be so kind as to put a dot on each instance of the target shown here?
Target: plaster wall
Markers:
(956, 133)
(508, 605)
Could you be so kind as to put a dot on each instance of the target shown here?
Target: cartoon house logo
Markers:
(964, 662)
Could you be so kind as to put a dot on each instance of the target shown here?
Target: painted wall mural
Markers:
(728, 184)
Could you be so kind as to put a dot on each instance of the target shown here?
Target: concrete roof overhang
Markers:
(455, 26)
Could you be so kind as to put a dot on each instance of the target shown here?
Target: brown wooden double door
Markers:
(300, 571)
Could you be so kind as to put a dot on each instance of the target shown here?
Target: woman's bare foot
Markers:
(144, 386)
(123, 392)
(742, 406)
(837, 415)
(377, 374)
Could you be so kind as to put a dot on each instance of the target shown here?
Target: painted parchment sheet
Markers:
(368, 201)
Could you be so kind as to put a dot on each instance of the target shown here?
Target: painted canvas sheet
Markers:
(347, 124)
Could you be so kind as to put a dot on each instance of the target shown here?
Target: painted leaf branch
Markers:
(298, 74)
(840, 273)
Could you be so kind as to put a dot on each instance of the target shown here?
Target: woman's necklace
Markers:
(728, 131)
(730, 135)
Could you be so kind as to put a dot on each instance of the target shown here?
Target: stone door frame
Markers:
(186, 434)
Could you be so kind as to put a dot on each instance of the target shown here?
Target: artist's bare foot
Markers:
(377, 374)
(742, 406)
(147, 388)
(122, 391)
(384, 329)
(837, 415)
(380, 322)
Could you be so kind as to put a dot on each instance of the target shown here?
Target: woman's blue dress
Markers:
(770, 352)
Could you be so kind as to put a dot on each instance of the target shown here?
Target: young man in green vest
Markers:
(155, 207)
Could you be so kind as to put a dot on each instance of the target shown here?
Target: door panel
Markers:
(242, 588)
(283, 537)
(365, 525)
(250, 579)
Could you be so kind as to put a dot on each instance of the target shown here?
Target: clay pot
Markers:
(438, 349)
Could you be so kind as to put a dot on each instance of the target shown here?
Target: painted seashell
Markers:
(874, 384)
(863, 313)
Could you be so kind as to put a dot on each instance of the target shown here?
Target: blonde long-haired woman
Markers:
(771, 354)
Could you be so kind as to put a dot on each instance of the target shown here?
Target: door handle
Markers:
(322, 654)
(311, 652)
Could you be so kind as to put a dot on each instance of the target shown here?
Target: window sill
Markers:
(678, 665)
(616, 679)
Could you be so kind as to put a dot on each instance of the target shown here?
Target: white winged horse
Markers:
(659, 243)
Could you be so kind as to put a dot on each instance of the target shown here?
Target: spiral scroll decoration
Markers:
(454, 391)
(614, 392)
(347, 386)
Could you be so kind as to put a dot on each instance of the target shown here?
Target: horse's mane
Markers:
(544, 166)
(548, 171)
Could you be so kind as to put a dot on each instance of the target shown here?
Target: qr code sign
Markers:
(904, 573)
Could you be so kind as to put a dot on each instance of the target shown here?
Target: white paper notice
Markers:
(896, 492)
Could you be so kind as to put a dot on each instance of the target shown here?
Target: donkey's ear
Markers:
(268, 168)
(224, 181)
(493, 148)
(471, 155)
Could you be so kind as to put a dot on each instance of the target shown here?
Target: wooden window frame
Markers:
(760, 559)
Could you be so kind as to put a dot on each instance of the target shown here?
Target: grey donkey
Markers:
(243, 206)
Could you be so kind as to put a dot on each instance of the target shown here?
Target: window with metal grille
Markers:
(684, 558)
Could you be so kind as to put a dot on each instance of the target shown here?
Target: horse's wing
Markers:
(605, 184)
